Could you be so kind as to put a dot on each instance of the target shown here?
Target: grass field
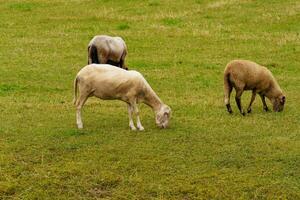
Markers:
(181, 47)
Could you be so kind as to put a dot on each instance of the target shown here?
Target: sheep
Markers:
(104, 49)
(110, 83)
(248, 75)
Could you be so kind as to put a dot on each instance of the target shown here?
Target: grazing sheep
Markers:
(109, 83)
(247, 75)
(104, 49)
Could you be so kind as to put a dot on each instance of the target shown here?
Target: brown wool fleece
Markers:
(247, 75)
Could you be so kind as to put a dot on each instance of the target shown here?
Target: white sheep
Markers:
(104, 49)
(109, 83)
(247, 75)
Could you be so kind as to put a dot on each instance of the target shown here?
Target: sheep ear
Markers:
(282, 100)
(166, 114)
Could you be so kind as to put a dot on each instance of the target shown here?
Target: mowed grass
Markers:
(181, 47)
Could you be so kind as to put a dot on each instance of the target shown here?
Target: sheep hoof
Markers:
(266, 109)
(243, 113)
(141, 128)
(228, 108)
(80, 126)
(249, 110)
(132, 128)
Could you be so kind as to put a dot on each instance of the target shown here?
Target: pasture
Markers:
(181, 47)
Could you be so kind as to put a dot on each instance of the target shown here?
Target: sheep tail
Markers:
(227, 88)
(75, 90)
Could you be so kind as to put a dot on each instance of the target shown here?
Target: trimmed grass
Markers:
(181, 47)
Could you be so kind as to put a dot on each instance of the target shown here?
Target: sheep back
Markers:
(107, 82)
(250, 75)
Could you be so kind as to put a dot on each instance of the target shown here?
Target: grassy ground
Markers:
(181, 47)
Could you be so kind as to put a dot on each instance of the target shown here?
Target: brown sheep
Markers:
(247, 75)
(104, 49)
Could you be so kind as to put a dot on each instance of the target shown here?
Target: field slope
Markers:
(181, 47)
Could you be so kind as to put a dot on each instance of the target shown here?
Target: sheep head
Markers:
(278, 103)
(163, 116)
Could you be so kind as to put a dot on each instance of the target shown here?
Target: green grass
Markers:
(181, 47)
(123, 27)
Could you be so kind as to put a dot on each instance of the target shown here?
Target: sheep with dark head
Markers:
(104, 49)
(247, 75)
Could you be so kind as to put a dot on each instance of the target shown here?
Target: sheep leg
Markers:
(227, 99)
(138, 121)
(82, 99)
(238, 95)
(89, 61)
(122, 60)
(264, 102)
(122, 64)
(92, 54)
(227, 91)
(251, 101)
(89, 56)
(130, 111)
